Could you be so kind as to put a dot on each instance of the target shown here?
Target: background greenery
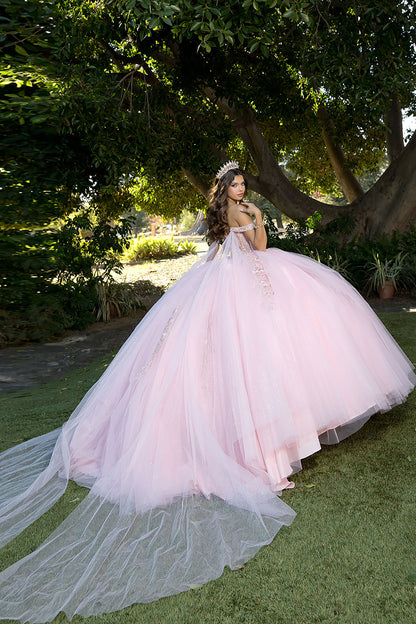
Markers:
(349, 556)
(137, 100)
(109, 109)
(354, 259)
(144, 248)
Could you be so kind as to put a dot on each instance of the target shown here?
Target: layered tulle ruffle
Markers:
(244, 367)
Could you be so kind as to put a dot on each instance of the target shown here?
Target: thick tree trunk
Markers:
(270, 182)
(394, 128)
(347, 180)
(391, 203)
(388, 206)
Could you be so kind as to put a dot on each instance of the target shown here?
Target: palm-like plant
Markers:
(387, 270)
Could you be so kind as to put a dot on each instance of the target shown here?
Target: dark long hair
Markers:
(216, 219)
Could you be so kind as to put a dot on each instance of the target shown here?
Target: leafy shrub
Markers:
(187, 247)
(47, 314)
(334, 262)
(386, 270)
(186, 219)
(139, 221)
(48, 277)
(157, 248)
(116, 299)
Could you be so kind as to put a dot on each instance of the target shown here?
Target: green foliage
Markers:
(32, 185)
(46, 313)
(89, 251)
(126, 97)
(334, 262)
(165, 195)
(387, 270)
(116, 299)
(187, 247)
(139, 221)
(156, 248)
(49, 276)
(60, 138)
(125, 113)
(186, 219)
(346, 56)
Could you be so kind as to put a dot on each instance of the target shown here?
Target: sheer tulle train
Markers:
(244, 367)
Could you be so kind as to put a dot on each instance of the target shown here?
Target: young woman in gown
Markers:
(245, 366)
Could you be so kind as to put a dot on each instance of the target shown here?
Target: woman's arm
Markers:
(258, 236)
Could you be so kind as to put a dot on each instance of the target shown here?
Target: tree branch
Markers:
(394, 128)
(121, 61)
(196, 181)
(271, 182)
(164, 58)
(391, 203)
(349, 183)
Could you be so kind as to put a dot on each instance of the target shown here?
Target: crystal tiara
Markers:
(231, 164)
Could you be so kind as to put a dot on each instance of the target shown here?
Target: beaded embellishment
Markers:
(243, 228)
(165, 333)
(231, 164)
(253, 260)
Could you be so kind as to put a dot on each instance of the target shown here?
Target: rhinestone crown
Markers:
(231, 164)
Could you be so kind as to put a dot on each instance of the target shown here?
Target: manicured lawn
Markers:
(350, 555)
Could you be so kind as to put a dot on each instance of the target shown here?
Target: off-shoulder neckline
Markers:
(243, 228)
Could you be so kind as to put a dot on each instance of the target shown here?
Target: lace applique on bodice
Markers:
(253, 260)
(243, 228)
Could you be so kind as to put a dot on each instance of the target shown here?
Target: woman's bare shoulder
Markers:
(236, 218)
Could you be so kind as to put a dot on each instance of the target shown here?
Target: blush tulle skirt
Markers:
(246, 365)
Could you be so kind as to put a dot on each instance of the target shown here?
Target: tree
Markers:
(320, 85)
(50, 179)
(353, 63)
(50, 167)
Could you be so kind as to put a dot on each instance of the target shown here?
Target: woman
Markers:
(246, 365)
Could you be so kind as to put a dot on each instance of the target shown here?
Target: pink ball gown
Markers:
(245, 366)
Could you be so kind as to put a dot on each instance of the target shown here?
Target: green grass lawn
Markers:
(349, 556)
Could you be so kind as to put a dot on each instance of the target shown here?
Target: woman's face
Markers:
(237, 188)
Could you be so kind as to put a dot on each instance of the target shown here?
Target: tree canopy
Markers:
(104, 94)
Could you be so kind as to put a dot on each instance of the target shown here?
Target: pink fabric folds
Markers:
(245, 366)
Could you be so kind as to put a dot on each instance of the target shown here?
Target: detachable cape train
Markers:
(245, 366)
